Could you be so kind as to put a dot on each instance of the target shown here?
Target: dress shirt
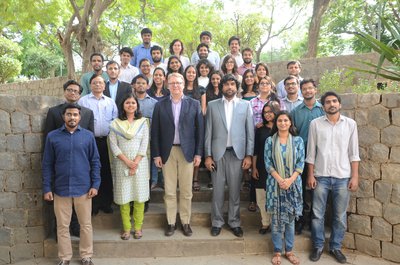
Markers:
(213, 57)
(85, 81)
(332, 147)
(176, 111)
(257, 105)
(126, 74)
(281, 91)
(140, 52)
(238, 58)
(302, 116)
(104, 111)
(71, 162)
(291, 105)
(147, 106)
(113, 89)
(229, 106)
(242, 68)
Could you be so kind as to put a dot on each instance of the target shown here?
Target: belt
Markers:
(230, 148)
(176, 144)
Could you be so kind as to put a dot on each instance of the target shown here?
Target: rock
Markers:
(395, 154)
(361, 117)
(396, 116)
(13, 180)
(365, 188)
(15, 142)
(396, 194)
(8, 200)
(369, 206)
(15, 218)
(390, 251)
(7, 102)
(359, 224)
(390, 135)
(20, 122)
(383, 191)
(5, 122)
(391, 100)
(349, 101)
(348, 241)
(7, 161)
(381, 230)
(368, 245)
(378, 153)
(33, 142)
(368, 135)
(396, 235)
(368, 100)
(390, 173)
(370, 170)
(378, 116)
(391, 213)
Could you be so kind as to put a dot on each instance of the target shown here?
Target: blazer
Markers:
(242, 129)
(54, 119)
(191, 129)
(122, 90)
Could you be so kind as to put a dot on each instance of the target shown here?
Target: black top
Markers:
(261, 136)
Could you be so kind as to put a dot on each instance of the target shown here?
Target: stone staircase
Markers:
(107, 243)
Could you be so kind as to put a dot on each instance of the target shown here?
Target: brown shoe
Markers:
(187, 231)
(87, 261)
(170, 230)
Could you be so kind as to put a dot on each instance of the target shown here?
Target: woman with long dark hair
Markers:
(229, 66)
(176, 48)
(158, 90)
(204, 68)
(249, 86)
(174, 65)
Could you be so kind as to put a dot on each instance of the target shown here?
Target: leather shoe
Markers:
(187, 231)
(170, 230)
(215, 231)
(338, 255)
(237, 231)
(315, 254)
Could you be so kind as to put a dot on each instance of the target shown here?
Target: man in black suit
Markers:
(115, 89)
(54, 120)
(177, 135)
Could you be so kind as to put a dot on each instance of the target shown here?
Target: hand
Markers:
(48, 196)
(311, 181)
(158, 162)
(132, 172)
(196, 161)
(353, 184)
(92, 192)
(209, 163)
(246, 162)
(254, 174)
(259, 125)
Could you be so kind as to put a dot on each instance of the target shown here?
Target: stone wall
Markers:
(44, 87)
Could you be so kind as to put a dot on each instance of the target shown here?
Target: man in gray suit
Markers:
(229, 144)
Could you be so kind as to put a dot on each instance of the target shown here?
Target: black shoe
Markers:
(146, 206)
(187, 231)
(338, 255)
(315, 254)
(298, 230)
(170, 230)
(237, 231)
(215, 231)
(265, 230)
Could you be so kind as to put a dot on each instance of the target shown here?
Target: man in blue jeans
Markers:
(333, 159)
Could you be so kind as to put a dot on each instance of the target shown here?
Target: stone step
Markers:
(155, 217)
(107, 243)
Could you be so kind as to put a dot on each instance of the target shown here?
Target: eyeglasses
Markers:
(264, 83)
(267, 112)
(175, 83)
(72, 91)
(97, 83)
(291, 84)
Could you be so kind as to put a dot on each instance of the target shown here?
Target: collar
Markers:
(234, 100)
(64, 129)
(93, 96)
(288, 100)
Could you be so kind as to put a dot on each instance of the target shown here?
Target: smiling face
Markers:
(234, 46)
(204, 70)
(283, 123)
(145, 67)
(96, 63)
(176, 85)
(229, 89)
(203, 53)
(215, 80)
(158, 77)
(308, 90)
(72, 93)
(205, 39)
(292, 86)
(130, 106)
(230, 65)
(247, 57)
(265, 86)
(146, 37)
(174, 64)
(72, 118)
(177, 48)
(97, 85)
(249, 79)
(125, 58)
(190, 74)
(113, 71)
(268, 114)
(261, 71)
(332, 105)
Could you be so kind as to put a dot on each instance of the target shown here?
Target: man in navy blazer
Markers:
(177, 135)
(116, 89)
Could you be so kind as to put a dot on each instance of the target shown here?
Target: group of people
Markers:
(130, 122)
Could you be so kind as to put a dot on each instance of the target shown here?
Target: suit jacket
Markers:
(122, 90)
(54, 119)
(242, 129)
(191, 129)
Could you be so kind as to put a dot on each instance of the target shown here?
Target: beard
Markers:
(157, 59)
(247, 60)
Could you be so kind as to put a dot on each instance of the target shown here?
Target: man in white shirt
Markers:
(157, 55)
(234, 46)
(292, 99)
(127, 71)
(213, 57)
(293, 68)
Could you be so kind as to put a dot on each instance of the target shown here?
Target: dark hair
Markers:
(155, 48)
(223, 65)
(275, 108)
(171, 50)
(269, 79)
(210, 87)
(71, 106)
(145, 31)
(292, 128)
(72, 82)
(196, 88)
(97, 54)
(244, 85)
(127, 50)
(226, 78)
(306, 81)
(330, 93)
(290, 77)
(121, 112)
(293, 62)
(143, 60)
(247, 50)
(207, 63)
(153, 87)
(261, 64)
(94, 76)
(169, 70)
(206, 33)
(202, 45)
(232, 39)
(112, 62)
(139, 76)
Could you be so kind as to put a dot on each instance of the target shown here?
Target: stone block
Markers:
(368, 135)
(23, 161)
(391, 100)
(7, 102)
(8, 200)
(32, 179)
(396, 235)
(13, 180)
(35, 217)
(396, 194)
(378, 116)
(391, 173)
(395, 154)
(29, 200)
(352, 208)
(15, 218)
(390, 252)
(348, 113)
(5, 122)
(378, 153)
(359, 224)
(20, 122)
(15, 142)
(368, 100)
(33, 142)
(383, 191)
(369, 206)
(365, 188)
(370, 170)
(36, 161)
(36, 234)
(3, 142)
(381, 229)
(20, 235)
(349, 101)
(396, 116)
(361, 117)
(363, 153)
(36, 104)
(348, 241)
(37, 122)
(391, 213)
(368, 245)
(5, 236)
(7, 161)
(5, 255)
(390, 135)
(26, 251)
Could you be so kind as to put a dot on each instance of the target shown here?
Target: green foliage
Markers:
(40, 62)
(9, 66)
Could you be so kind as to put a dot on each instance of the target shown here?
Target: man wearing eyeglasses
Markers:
(293, 68)
(177, 136)
(292, 98)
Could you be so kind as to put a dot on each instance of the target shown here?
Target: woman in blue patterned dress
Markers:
(284, 162)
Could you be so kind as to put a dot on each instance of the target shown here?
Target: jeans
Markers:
(154, 173)
(288, 235)
(340, 202)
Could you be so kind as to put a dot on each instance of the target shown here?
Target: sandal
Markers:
(252, 207)
(125, 235)
(292, 258)
(276, 258)
(138, 234)
(196, 185)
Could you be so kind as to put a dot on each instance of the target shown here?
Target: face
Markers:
(146, 38)
(264, 86)
(249, 79)
(204, 70)
(205, 39)
(332, 105)
(97, 63)
(174, 64)
(156, 56)
(283, 123)
(113, 71)
(229, 89)
(97, 85)
(229, 65)
(261, 71)
(158, 77)
(145, 67)
(268, 114)
(140, 86)
(130, 106)
(72, 93)
(72, 118)
(294, 69)
(175, 86)
(291, 86)
(125, 58)
(234, 46)
(177, 47)
(191, 74)
(308, 91)
(203, 53)
(215, 80)
(247, 57)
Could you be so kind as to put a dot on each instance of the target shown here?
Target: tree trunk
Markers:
(320, 7)
(66, 45)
